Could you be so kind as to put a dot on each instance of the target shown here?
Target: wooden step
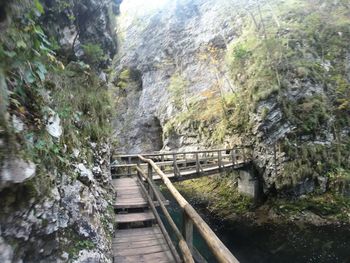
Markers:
(138, 232)
(134, 217)
(145, 244)
(158, 257)
(126, 204)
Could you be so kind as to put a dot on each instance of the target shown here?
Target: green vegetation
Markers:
(129, 76)
(331, 206)
(178, 90)
(93, 54)
(293, 53)
(34, 85)
(25, 59)
(222, 199)
(202, 114)
(291, 40)
(220, 192)
(76, 243)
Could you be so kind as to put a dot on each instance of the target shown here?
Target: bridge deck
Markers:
(142, 240)
(189, 174)
(145, 244)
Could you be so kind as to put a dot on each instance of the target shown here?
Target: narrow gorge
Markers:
(83, 83)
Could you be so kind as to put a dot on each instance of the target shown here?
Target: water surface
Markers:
(272, 243)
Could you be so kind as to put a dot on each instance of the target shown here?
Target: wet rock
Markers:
(323, 183)
(85, 175)
(6, 250)
(53, 125)
(305, 187)
(93, 23)
(97, 171)
(17, 123)
(86, 256)
(76, 153)
(69, 34)
(103, 77)
(15, 171)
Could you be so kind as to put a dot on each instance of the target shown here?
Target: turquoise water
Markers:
(271, 243)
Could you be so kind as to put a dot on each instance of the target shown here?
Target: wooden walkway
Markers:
(138, 237)
(179, 166)
(141, 235)
(145, 244)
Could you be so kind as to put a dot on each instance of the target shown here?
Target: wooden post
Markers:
(176, 170)
(162, 160)
(150, 176)
(219, 250)
(233, 153)
(150, 172)
(187, 230)
(197, 164)
(244, 160)
(185, 164)
(205, 158)
(275, 159)
(129, 167)
(219, 160)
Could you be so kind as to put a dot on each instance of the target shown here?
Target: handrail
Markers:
(178, 153)
(220, 251)
(182, 243)
(200, 162)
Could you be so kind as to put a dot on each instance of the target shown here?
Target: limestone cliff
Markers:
(55, 191)
(168, 46)
(270, 74)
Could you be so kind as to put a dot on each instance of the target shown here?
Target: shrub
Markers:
(93, 53)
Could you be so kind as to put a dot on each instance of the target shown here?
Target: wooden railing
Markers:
(179, 164)
(191, 218)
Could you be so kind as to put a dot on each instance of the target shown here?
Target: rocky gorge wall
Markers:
(269, 74)
(55, 190)
(164, 47)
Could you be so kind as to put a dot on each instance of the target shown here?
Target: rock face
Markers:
(71, 216)
(293, 130)
(16, 171)
(55, 189)
(76, 23)
(173, 40)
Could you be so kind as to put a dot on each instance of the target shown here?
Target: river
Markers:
(272, 243)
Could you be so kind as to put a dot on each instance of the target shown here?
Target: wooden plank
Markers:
(139, 231)
(130, 188)
(132, 198)
(129, 206)
(131, 201)
(139, 244)
(140, 250)
(124, 183)
(187, 257)
(137, 238)
(129, 194)
(134, 217)
(126, 205)
(159, 257)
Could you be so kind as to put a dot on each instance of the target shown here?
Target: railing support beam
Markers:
(220, 251)
(187, 230)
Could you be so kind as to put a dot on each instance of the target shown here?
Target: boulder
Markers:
(15, 171)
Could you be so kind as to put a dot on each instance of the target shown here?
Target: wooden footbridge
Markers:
(142, 235)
